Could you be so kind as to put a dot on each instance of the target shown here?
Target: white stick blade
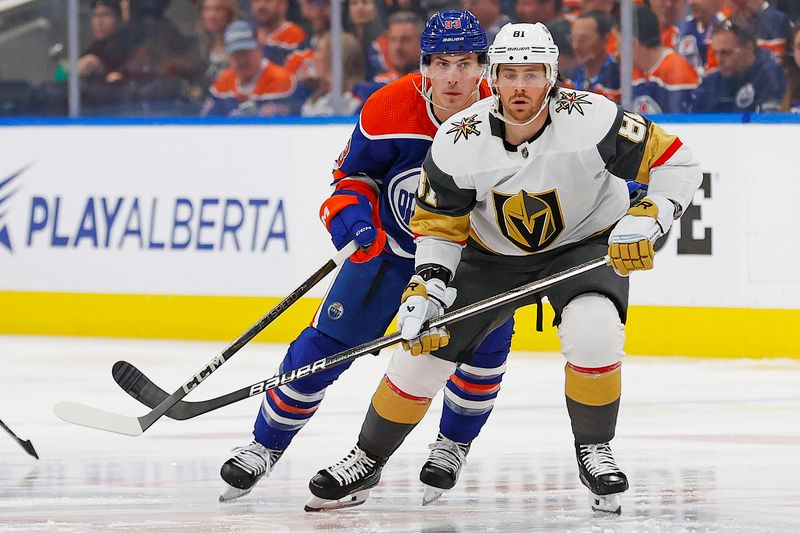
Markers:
(91, 417)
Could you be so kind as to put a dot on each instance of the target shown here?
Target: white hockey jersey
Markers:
(560, 187)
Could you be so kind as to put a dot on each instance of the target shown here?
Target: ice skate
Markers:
(441, 471)
(601, 475)
(346, 483)
(243, 470)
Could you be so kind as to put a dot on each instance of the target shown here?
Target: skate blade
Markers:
(315, 504)
(431, 495)
(610, 504)
(230, 493)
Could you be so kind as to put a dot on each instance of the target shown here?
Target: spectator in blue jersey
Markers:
(252, 85)
(694, 39)
(771, 27)
(663, 81)
(791, 101)
(597, 71)
(748, 78)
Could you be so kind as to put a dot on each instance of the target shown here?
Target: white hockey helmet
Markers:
(521, 44)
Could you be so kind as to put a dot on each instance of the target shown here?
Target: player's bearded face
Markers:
(521, 88)
(454, 79)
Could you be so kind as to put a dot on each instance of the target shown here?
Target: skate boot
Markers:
(601, 475)
(346, 483)
(243, 470)
(440, 472)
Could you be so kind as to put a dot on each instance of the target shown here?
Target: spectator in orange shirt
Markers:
(669, 14)
(663, 81)
(278, 36)
(253, 85)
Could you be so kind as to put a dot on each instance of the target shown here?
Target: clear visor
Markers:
(521, 78)
(468, 68)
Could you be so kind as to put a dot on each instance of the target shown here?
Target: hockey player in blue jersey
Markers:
(375, 180)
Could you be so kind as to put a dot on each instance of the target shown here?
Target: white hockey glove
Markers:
(423, 300)
(631, 241)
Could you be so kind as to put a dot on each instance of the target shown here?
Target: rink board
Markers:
(195, 231)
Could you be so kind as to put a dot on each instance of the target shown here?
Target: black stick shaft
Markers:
(150, 418)
(143, 389)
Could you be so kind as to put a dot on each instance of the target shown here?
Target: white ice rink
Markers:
(708, 445)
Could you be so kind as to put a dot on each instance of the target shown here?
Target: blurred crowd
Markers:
(273, 57)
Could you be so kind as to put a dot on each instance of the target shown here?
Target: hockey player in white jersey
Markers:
(515, 188)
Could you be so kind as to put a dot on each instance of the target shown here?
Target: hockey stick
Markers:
(26, 444)
(135, 383)
(84, 415)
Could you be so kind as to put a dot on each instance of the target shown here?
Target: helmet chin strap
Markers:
(495, 109)
(424, 90)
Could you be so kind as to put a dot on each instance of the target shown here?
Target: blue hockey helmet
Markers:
(453, 31)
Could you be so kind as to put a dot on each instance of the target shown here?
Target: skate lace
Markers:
(447, 455)
(253, 458)
(356, 464)
(598, 460)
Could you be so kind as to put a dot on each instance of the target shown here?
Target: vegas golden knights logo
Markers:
(531, 221)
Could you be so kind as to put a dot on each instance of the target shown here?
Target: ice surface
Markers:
(708, 445)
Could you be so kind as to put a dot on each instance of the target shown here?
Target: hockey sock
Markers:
(593, 401)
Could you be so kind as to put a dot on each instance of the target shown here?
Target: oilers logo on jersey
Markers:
(532, 222)
(403, 197)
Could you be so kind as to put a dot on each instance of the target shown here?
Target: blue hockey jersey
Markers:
(394, 131)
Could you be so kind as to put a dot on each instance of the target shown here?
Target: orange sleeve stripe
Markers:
(359, 187)
(667, 153)
(475, 388)
(283, 406)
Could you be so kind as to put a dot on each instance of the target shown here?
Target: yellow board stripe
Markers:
(652, 330)
(593, 389)
(220, 318)
(396, 408)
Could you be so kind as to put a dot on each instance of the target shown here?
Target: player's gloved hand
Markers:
(421, 301)
(348, 216)
(631, 241)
